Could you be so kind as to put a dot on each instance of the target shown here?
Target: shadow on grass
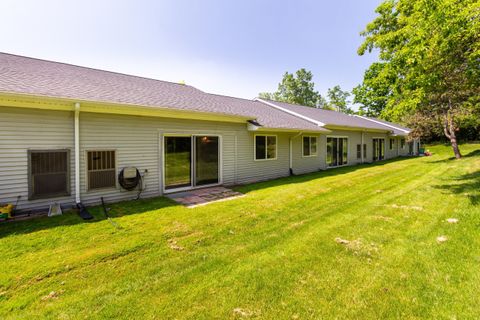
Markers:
(474, 153)
(467, 184)
(302, 178)
(70, 217)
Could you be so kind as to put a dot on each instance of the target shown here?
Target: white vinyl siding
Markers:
(22, 130)
(137, 142)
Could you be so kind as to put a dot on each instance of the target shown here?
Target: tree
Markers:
(430, 61)
(297, 89)
(339, 100)
(373, 93)
(300, 89)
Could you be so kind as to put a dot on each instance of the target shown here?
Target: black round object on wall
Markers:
(129, 178)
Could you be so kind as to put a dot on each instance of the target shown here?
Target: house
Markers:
(71, 134)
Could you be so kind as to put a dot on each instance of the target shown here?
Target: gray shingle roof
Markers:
(397, 129)
(23, 75)
(266, 116)
(333, 118)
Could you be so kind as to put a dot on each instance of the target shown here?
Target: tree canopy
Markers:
(429, 69)
(299, 88)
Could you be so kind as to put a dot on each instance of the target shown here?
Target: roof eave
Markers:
(383, 124)
(8, 99)
(353, 128)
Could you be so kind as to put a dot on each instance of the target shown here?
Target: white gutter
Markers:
(383, 124)
(77, 152)
(273, 105)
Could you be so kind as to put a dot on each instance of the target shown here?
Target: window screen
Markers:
(48, 174)
(101, 169)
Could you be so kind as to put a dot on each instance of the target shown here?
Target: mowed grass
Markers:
(269, 255)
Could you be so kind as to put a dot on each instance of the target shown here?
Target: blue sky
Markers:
(236, 48)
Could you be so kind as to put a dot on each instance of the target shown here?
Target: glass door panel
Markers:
(206, 160)
(345, 151)
(378, 149)
(337, 151)
(382, 149)
(178, 162)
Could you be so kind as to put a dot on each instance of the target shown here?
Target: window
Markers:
(265, 147)
(402, 143)
(49, 174)
(359, 151)
(364, 150)
(101, 169)
(392, 143)
(309, 146)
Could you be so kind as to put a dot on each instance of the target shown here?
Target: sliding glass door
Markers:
(206, 160)
(378, 149)
(191, 161)
(178, 162)
(337, 151)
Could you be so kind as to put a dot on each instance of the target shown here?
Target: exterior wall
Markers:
(303, 164)
(251, 170)
(138, 142)
(22, 130)
(354, 138)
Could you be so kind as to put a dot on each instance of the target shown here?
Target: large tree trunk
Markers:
(449, 130)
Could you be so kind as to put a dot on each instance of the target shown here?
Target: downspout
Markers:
(77, 152)
(361, 148)
(291, 152)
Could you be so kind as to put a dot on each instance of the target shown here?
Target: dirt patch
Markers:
(52, 295)
(383, 218)
(359, 247)
(442, 239)
(172, 244)
(405, 207)
(239, 312)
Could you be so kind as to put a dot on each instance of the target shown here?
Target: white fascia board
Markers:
(273, 105)
(383, 124)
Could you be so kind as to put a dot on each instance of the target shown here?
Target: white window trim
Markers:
(310, 149)
(326, 152)
(87, 190)
(255, 146)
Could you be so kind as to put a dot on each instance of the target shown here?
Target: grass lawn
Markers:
(269, 255)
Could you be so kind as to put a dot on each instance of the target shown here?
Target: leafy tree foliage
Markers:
(299, 88)
(296, 88)
(339, 100)
(429, 70)
(373, 93)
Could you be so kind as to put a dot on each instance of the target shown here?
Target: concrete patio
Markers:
(193, 198)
